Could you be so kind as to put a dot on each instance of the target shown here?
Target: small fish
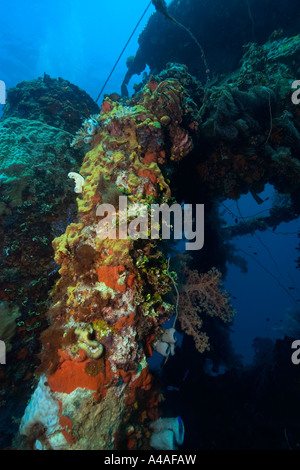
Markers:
(255, 253)
(114, 96)
(257, 198)
(186, 374)
(173, 389)
(180, 423)
(291, 288)
(267, 319)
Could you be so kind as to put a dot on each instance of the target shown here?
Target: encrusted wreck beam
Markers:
(108, 305)
(277, 215)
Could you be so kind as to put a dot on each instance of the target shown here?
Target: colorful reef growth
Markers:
(38, 124)
(95, 389)
(108, 305)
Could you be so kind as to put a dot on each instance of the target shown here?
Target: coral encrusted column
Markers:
(95, 389)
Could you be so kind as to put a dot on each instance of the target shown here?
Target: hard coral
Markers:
(92, 348)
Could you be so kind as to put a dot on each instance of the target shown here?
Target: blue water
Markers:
(262, 294)
(70, 39)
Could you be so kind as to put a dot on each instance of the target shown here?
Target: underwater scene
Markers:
(149, 226)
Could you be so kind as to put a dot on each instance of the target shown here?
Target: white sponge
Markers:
(42, 408)
(167, 432)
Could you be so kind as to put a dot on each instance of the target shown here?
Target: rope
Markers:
(177, 293)
(129, 39)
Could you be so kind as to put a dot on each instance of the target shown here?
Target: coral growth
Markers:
(8, 325)
(36, 204)
(202, 296)
(108, 304)
(110, 301)
(55, 102)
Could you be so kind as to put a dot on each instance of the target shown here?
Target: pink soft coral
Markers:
(203, 295)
